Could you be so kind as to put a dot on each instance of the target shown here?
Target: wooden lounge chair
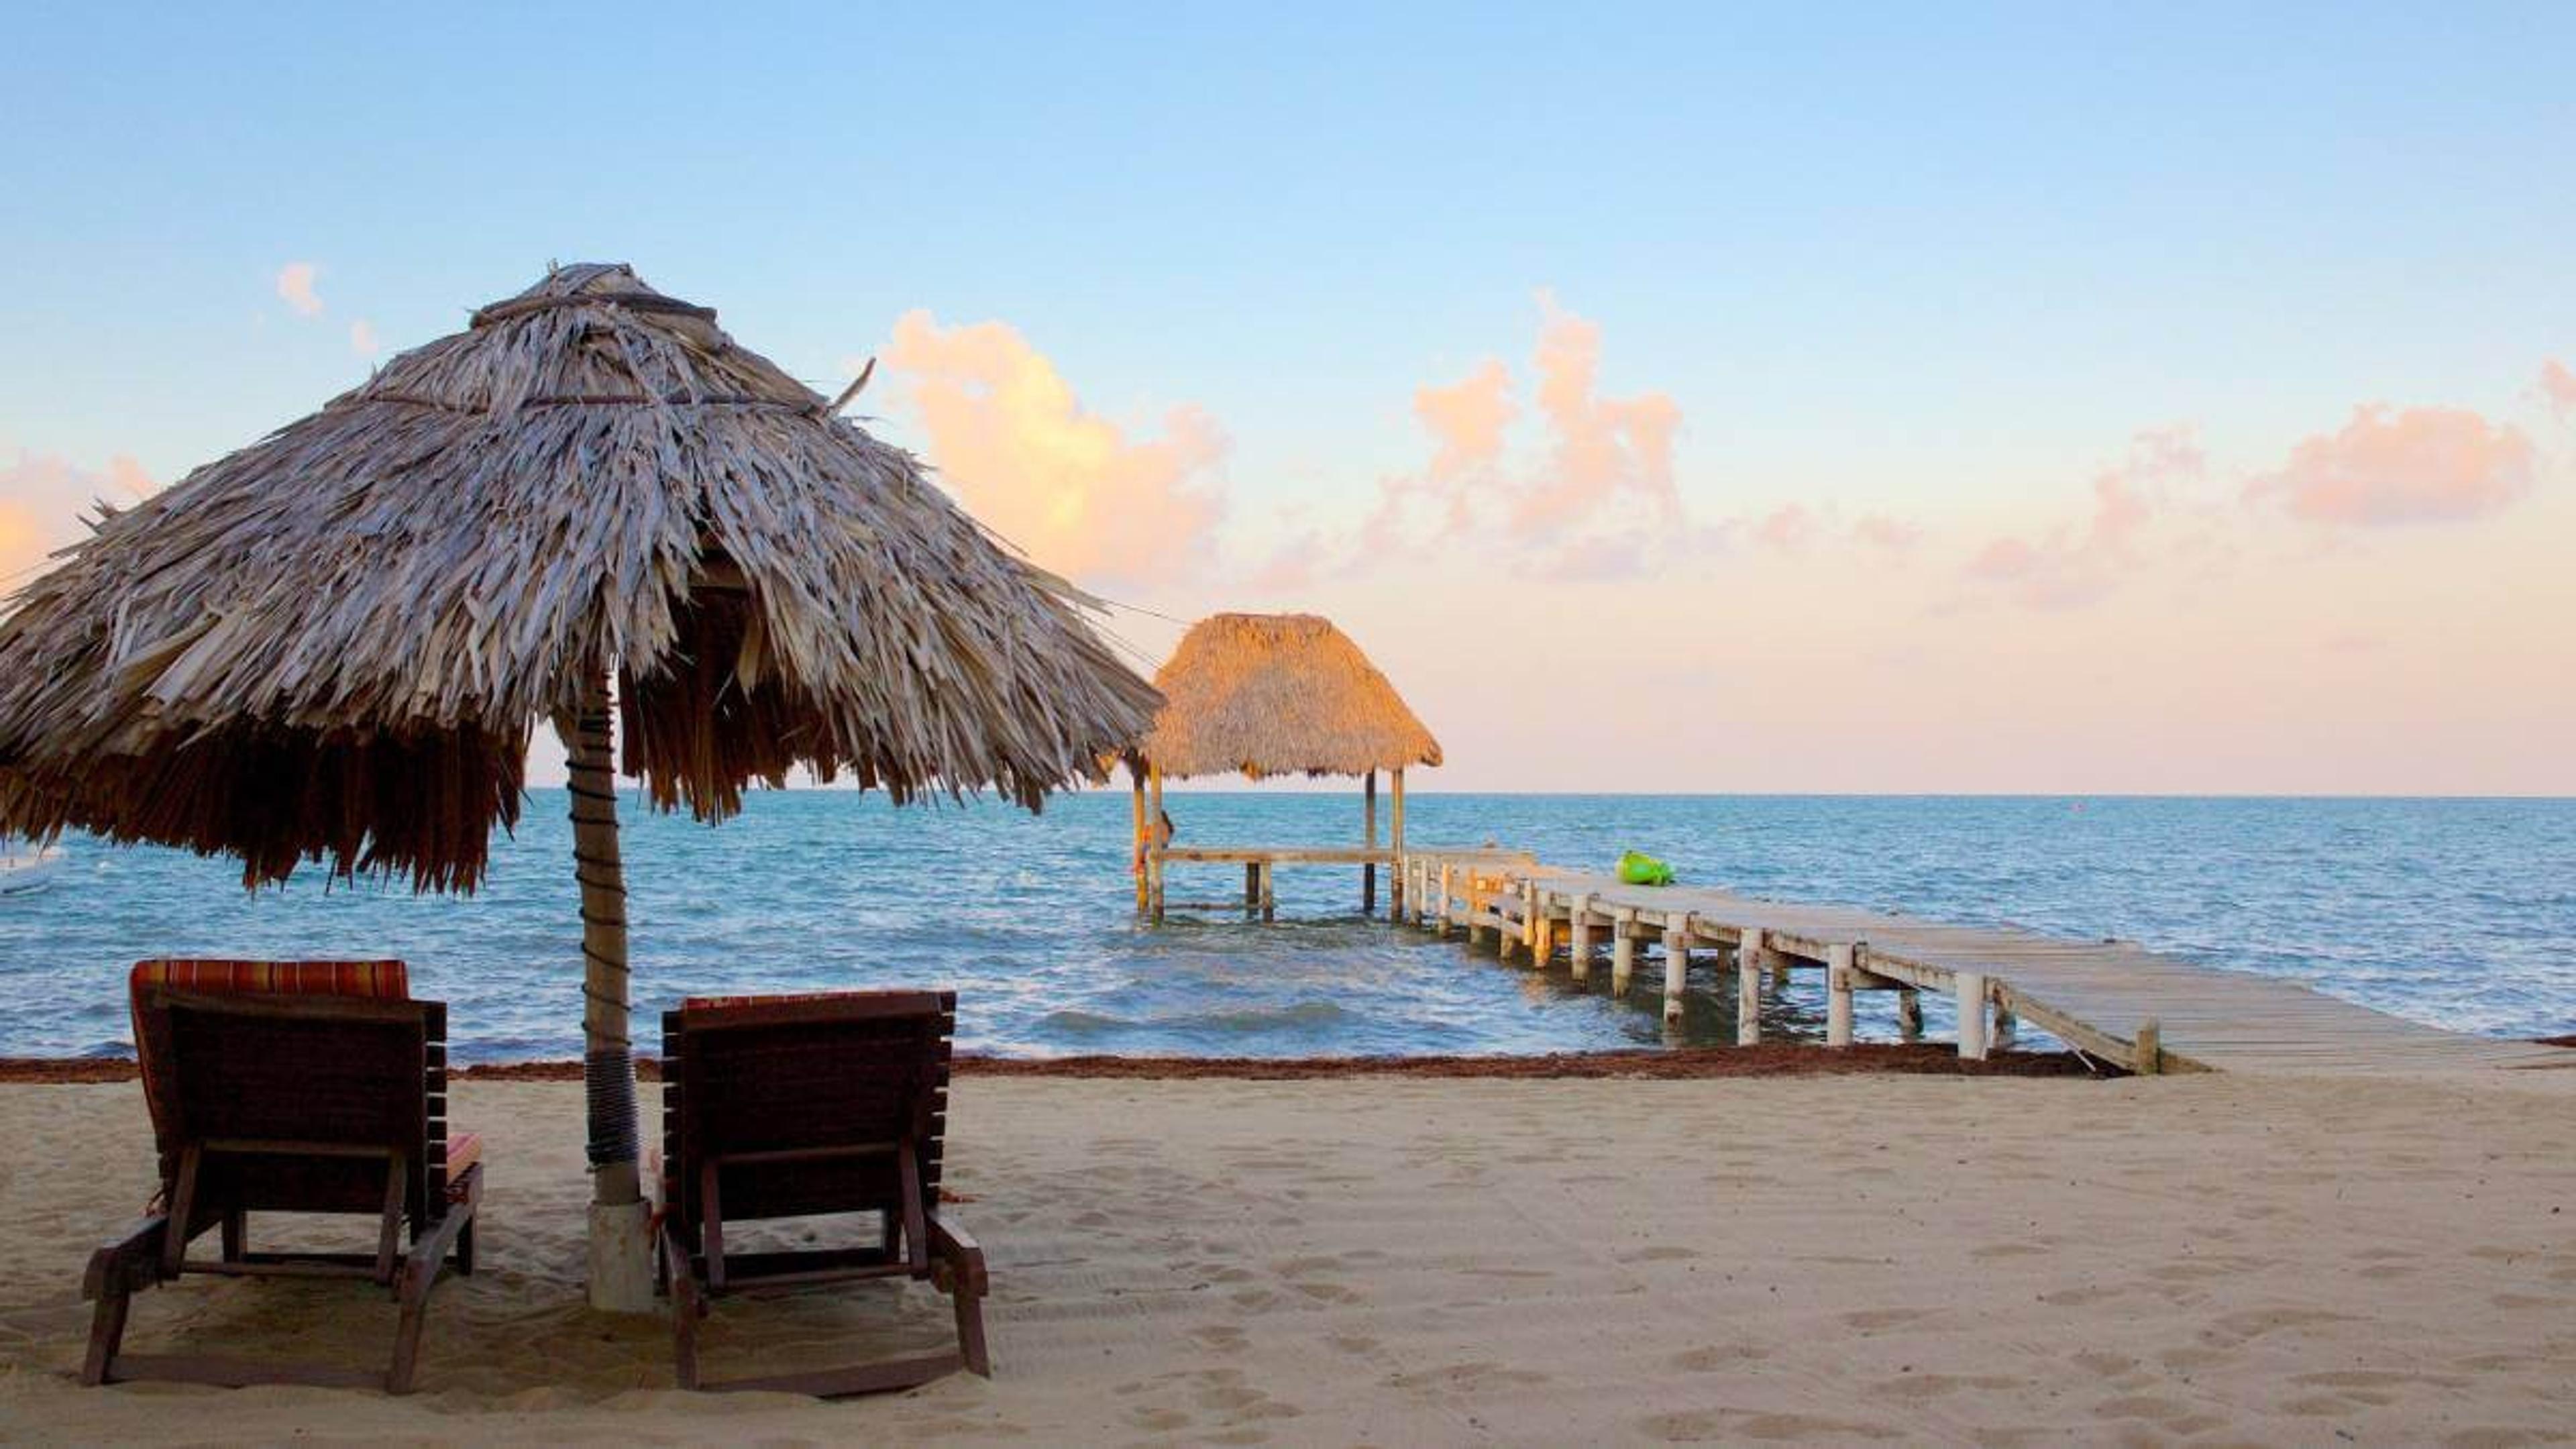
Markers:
(776, 1107)
(303, 1086)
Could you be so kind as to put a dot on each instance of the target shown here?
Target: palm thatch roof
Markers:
(1279, 694)
(332, 645)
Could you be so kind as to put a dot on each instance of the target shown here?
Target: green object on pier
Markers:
(1637, 868)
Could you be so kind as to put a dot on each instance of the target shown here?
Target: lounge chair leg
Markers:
(114, 1272)
(236, 1235)
(962, 1273)
(420, 1274)
(106, 1334)
(415, 1304)
(685, 1310)
(465, 1250)
(970, 1331)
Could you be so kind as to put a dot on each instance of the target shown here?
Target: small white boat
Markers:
(26, 867)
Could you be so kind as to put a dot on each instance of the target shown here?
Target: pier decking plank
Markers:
(2098, 995)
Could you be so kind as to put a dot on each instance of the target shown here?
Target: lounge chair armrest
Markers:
(958, 1252)
(127, 1262)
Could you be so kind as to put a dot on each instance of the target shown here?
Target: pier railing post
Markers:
(1748, 986)
(1838, 993)
(1972, 1015)
(1909, 1015)
(1677, 935)
(1440, 912)
(1579, 937)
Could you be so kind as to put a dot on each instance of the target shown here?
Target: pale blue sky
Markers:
(1847, 241)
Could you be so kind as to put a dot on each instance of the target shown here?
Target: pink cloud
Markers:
(1603, 470)
(1467, 418)
(2004, 560)
(2071, 566)
(2387, 467)
(1016, 446)
(1786, 528)
(362, 337)
(2558, 385)
(1604, 447)
(45, 502)
(295, 285)
(1880, 531)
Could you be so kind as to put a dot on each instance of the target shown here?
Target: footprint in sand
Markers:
(1870, 1320)
(1717, 1358)
(1691, 1428)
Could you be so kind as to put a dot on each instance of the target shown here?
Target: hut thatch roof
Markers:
(1279, 694)
(333, 643)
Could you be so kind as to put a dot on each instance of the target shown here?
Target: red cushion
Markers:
(375, 980)
(464, 1150)
(720, 1003)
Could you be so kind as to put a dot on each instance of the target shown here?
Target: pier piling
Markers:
(1748, 986)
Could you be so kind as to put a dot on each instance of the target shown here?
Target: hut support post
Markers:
(1839, 961)
(1154, 841)
(1136, 778)
(1395, 841)
(1251, 888)
(1368, 837)
(621, 1258)
(1748, 986)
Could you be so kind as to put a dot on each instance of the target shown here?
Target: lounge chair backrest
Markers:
(790, 1079)
(365, 980)
(328, 1074)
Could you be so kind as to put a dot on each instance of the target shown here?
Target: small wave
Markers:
(1240, 1021)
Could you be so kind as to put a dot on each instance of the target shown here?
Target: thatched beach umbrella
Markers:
(1277, 694)
(332, 645)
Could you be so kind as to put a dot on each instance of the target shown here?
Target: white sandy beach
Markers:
(2213, 1259)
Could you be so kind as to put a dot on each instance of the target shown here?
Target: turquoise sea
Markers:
(2457, 912)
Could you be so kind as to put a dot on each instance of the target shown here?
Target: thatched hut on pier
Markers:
(1274, 694)
(331, 646)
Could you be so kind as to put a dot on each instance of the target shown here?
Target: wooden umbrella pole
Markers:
(620, 1259)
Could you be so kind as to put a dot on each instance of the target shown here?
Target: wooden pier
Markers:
(2112, 1000)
